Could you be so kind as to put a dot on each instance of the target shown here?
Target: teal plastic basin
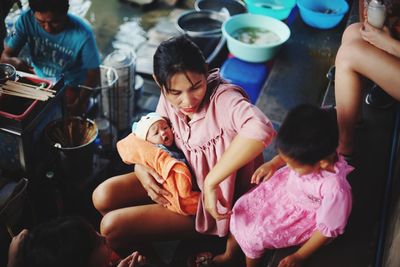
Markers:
(254, 52)
(256, 7)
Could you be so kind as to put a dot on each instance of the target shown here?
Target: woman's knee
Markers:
(352, 32)
(109, 228)
(101, 198)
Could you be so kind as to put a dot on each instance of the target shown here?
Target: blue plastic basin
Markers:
(254, 52)
(322, 14)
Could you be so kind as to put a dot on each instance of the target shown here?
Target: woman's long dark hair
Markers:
(177, 55)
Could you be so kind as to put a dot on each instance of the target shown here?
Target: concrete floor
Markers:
(286, 87)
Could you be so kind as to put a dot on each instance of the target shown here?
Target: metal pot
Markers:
(203, 23)
(233, 6)
(7, 72)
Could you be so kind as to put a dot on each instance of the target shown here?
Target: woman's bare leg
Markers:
(357, 59)
(119, 192)
(138, 225)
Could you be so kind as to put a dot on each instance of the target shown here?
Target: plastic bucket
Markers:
(73, 141)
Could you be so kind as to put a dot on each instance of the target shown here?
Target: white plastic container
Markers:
(119, 103)
(376, 14)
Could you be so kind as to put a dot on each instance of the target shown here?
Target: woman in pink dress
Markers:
(222, 136)
(307, 202)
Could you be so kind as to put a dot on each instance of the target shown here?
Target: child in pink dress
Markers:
(307, 202)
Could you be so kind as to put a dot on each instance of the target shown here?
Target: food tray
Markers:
(18, 112)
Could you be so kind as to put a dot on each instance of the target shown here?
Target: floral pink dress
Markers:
(287, 209)
(208, 134)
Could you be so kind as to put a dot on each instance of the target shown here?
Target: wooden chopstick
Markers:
(28, 91)
(5, 92)
(32, 86)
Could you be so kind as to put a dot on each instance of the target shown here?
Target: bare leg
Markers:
(138, 225)
(119, 192)
(131, 219)
(232, 254)
(253, 262)
(357, 59)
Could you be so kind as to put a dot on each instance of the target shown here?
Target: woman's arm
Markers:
(381, 39)
(241, 151)
(316, 241)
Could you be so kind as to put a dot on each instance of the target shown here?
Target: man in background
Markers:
(59, 44)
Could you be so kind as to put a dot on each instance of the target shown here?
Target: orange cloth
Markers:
(176, 175)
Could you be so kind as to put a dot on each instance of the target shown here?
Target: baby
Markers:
(156, 130)
(151, 144)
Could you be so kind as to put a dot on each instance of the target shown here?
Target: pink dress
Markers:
(287, 209)
(208, 134)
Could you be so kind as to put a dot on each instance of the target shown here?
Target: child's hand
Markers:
(265, 171)
(291, 261)
(132, 260)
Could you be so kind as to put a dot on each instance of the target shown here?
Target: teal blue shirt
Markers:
(71, 52)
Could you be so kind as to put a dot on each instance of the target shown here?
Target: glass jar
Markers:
(376, 14)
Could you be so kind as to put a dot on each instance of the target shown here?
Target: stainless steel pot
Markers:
(7, 72)
(202, 23)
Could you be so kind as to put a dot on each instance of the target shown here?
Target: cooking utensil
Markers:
(7, 72)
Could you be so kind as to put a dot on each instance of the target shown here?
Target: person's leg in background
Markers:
(355, 60)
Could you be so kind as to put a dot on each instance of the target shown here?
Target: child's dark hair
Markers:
(177, 55)
(308, 134)
(55, 6)
(63, 242)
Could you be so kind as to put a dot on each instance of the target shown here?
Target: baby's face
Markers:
(160, 133)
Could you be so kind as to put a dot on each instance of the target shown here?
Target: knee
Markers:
(109, 229)
(350, 54)
(101, 198)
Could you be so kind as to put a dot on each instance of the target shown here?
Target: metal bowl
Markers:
(7, 72)
(203, 23)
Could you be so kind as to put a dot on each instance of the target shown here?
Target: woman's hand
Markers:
(379, 38)
(154, 191)
(292, 260)
(265, 171)
(213, 195)
(132, 260)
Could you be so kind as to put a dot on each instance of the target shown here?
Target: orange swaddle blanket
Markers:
(176, 177)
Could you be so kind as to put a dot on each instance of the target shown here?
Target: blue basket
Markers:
(322, 14)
